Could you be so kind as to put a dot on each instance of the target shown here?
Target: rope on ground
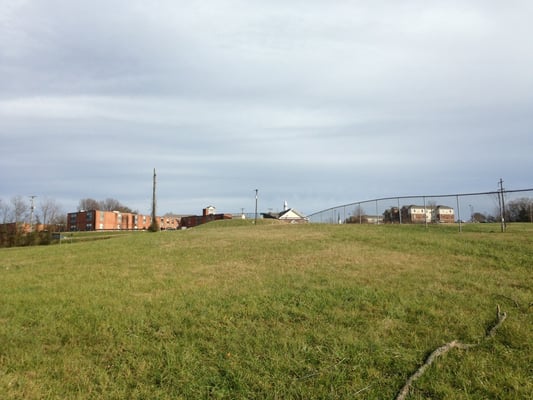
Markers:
(403, 393)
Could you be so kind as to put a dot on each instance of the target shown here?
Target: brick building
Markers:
(97, 220)
(13, 227)
(208, 214)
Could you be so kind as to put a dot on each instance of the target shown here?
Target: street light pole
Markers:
(256, 196)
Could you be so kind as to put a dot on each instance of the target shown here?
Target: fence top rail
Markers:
(418, 196)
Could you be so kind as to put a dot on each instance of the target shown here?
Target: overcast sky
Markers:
(318, 103)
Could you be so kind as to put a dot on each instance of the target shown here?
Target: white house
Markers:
(287, 215)
(291, 215)
(421, 214)
(444, 214)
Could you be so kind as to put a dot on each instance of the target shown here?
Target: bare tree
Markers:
(50, 211)
(108, 204)
(358, 216)
(88, 204)
(4, 211)
(20, 209)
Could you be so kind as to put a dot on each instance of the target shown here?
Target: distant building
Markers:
(430, 214)
(208, 214)
(287, 215)
(443, 214)
(209, 210)
(169, 222)
(97, 220)
(293, 216)
(416, 214)
(23, 227)
(374, 219)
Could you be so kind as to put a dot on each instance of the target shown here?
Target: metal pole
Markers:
(459, 214)
(399, 211)
(425, 214)
(256, 196)
(502, 206)
(154, 224)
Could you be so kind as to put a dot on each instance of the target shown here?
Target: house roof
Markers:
(291, 213)
(430, 207)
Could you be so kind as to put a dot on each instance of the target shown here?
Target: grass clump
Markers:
(240, 311)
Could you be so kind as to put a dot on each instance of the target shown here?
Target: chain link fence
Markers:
(500, 206)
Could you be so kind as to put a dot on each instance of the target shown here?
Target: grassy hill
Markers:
(235, 311)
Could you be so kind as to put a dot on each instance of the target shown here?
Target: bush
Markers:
(19, 238)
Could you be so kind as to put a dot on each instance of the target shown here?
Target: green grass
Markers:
(235, 311)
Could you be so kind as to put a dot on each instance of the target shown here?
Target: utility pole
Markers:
(256, 197)
(502, 206)
(154, 224)
(32, 208)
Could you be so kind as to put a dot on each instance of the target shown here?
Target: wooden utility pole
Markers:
(154, 225)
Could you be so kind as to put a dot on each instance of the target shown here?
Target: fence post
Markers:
(425, 213)
(459, 214)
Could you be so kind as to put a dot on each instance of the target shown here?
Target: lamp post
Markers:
(256, 197)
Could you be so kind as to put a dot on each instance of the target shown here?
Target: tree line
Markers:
(18, 210)
(108, 204)
(517, 210)
(48, 211)
(520, 210)
(31, 220)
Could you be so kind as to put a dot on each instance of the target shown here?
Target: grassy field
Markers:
(235, 311)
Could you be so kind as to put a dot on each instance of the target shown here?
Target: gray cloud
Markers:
(318, 103)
